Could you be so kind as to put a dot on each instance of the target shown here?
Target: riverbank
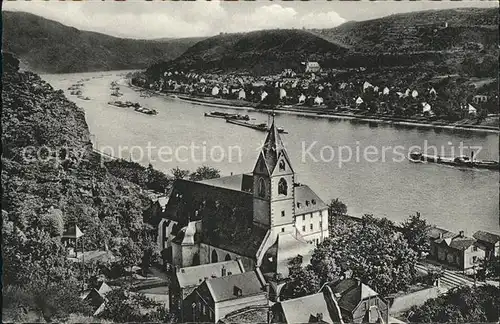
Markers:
(320, 112)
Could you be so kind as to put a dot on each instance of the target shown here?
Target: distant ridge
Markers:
(431, 30)
(45, 45)
(430, 38)
(259, 52)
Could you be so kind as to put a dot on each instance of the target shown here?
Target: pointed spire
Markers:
(272, 147)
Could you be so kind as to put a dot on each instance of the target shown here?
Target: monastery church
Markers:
(263, 218)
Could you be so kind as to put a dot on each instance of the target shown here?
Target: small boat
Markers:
(218, 114)
(76, 92)
(460, 161)
(116, 94)
(146, 111)
(83, 98)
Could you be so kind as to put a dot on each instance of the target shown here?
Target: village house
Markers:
(96, 297)
(489, 242)
(217, 297)
(456, 250)
(477, 99)
(346, 301)
(185, 281)
(358, 302)
(312, 67)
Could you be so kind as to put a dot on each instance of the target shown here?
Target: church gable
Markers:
(261, 166)
(283, 166)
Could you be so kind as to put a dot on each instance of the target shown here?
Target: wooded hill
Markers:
(436, 38)
(45, 45)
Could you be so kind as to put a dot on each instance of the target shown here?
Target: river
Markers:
(376, 180)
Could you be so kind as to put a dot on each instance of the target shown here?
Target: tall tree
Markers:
(375, 254)
(337, 208)
(302, 281)
(415, 230)
(179, 173)
(130, 254)
(203, 173)
(125, 306)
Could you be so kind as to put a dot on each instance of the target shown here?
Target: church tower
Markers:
(273, 186)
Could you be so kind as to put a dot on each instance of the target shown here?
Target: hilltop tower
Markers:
(273, 186)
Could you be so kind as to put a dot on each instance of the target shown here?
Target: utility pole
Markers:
(474, 269)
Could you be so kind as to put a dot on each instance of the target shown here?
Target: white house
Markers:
(414, 93)
(263, 95)
(386, 91)
(312, 67)
(472, 110)
(359, 101)
(318, 100)
(302, 98)
(282, 93)
(242, 94)
(426, 108)
(367, 85)
(215, 91)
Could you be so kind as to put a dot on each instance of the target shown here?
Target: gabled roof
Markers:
(72, 231)
(239, 182)
(286, 247)
(350, 292)
(273, 148)
(453, 240)
(253, 314)
(486, 237)
(222, 288)
(302, 194)
(193, 276)
(299, 310)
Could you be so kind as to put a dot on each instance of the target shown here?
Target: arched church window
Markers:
(282, 187)
(215, 257)
(262, 188)
(228, 257)
(282, 165)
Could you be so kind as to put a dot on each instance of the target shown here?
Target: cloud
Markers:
(172, 19)
(277, 16)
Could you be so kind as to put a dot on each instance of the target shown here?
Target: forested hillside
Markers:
(45, 45)
(51, 179)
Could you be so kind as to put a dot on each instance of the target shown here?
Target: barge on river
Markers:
(218, 114)
(461, 161)
(260, 127)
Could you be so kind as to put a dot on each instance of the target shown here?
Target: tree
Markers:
(150, 256)
(464, 304)
(178, 173)
(53, 222)
(123, 305)
(415, 230)
(490, 268)
(157, 181)
(302, 281)
(372, 250)
(204, 173)
(130, 254)
(337, 208)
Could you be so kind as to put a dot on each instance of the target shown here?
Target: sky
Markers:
(177, 19)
